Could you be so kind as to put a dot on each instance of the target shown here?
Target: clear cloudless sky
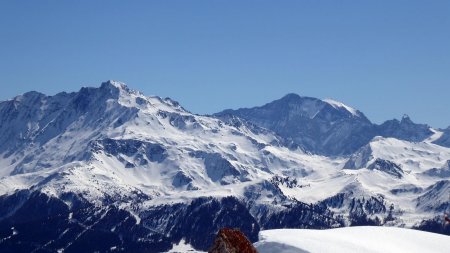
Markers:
(383, 57)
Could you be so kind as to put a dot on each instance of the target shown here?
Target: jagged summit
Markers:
(113, 87)
(405, 129)
(118, 87)
(110, 87)
(113, 83)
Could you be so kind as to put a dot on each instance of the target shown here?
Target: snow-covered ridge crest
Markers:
(337, 104)
(132, 98)
(117, 84)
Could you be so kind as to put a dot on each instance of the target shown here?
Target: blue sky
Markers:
(385, 58)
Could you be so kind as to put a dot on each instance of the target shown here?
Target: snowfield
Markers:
(351, 239)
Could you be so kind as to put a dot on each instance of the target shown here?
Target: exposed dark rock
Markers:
(406, 189)
(216, 166)
(181, 179)
(231, 241)
(442, 172)
(431, 199)
(359, 159)
(386, 166)
(445, 138)
(405, 129)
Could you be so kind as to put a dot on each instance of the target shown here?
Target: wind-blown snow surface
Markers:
(351, 239)
(113, 148)
(338, 104)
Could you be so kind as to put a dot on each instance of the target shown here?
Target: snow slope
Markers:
(338, 104)
(352, 239)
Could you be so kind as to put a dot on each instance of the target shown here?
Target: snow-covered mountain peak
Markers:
(329, 128)
(117, 89)
(117, 84)
(337, 104)
(119, 93)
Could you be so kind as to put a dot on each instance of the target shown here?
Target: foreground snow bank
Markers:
(351, 239)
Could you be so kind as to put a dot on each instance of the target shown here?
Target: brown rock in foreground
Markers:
(231, 241)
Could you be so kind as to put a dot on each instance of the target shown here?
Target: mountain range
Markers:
(109, 169)
(326, 127)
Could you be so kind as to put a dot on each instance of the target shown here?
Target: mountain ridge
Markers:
(341, 131)
(112, 155)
